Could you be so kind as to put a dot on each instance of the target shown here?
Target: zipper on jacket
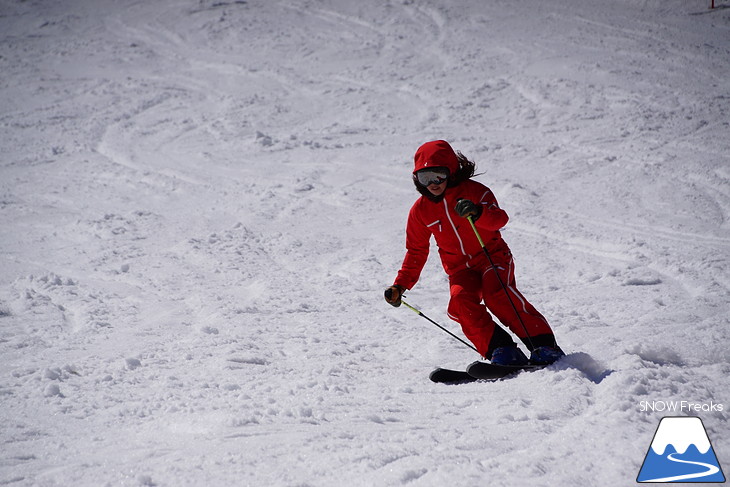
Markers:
(458, 237)
(437, 222)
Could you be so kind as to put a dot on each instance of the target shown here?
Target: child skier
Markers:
(449, 197)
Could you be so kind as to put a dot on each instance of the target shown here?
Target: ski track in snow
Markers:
(202, 202)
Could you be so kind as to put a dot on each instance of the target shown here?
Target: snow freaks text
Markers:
(679, 407)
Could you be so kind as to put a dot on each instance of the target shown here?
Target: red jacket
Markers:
(458, 246)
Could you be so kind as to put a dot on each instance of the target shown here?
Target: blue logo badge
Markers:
(681, 452)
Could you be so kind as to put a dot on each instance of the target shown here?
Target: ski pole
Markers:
(501, 282)
(416, 310)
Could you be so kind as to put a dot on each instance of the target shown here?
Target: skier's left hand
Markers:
(394, 294)
(466, 208)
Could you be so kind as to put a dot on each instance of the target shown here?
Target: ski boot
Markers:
(545, 355)
(508, 356)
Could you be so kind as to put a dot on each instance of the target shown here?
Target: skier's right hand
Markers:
(394, 294)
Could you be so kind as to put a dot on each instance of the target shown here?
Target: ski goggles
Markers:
(436, 175)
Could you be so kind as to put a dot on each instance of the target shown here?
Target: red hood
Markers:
(437, 153)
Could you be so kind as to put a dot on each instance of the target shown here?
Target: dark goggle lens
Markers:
(427, 177)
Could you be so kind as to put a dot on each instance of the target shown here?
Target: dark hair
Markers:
(466, 170)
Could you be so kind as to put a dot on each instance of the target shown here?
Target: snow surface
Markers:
(201, 202)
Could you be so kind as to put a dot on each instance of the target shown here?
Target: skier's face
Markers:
(433, 178)
(437, 189)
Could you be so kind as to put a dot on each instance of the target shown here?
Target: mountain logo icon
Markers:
(680, 452)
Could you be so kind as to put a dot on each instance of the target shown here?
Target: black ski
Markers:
(479, 371)
(448, 376)
(488, 371)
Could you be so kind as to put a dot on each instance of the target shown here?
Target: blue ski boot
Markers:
(545, 355)
(508, 356)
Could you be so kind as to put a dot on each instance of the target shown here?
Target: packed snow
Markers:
(202, 201)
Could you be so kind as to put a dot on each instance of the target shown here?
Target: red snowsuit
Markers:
(471, 277)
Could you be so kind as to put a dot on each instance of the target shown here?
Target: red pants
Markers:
(471, 286)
